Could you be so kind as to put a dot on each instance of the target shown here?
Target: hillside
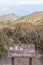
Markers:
(34, 19)
(8, 17)
(29, 20)
(26, 29)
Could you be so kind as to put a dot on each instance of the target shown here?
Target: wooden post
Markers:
(30, 61)
(12, 60)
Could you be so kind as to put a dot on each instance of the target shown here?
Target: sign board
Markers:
(21, 50)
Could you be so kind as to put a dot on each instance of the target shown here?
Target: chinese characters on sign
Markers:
(21, 50)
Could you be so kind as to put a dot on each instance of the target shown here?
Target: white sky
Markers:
(7, 4)
(20, 2)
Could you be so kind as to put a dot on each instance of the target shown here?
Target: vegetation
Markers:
(18, 35)
(27, 29)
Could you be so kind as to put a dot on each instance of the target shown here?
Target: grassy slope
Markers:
(18, 30)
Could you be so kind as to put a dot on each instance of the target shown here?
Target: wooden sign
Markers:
(21, 50)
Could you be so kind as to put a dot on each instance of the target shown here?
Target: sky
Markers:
(20, 7)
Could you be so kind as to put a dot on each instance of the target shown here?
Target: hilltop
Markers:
(34, 19)
(30, 22)
(8, 18)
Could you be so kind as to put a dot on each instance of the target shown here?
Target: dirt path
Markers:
(21, 61)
